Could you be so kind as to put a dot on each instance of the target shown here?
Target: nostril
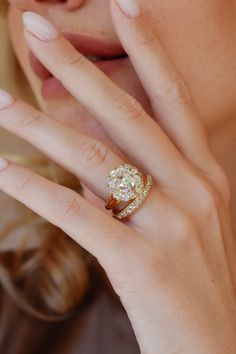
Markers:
(69, 4)
(51, 1)
(74, 4)
(30, 5)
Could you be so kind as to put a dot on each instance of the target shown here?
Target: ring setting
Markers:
(126, 184)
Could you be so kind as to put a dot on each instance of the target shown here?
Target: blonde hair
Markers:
(49, 280)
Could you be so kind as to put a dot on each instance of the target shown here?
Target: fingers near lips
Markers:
(121, 115)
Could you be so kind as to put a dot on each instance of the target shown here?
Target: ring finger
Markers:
(81, 155)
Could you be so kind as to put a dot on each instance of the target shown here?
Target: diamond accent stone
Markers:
(138, 201)
(125, 182)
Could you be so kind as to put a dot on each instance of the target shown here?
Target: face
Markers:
(200, 36)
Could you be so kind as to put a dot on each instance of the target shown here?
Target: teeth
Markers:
(93, 58)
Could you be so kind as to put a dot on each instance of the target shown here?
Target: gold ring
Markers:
(128, 190)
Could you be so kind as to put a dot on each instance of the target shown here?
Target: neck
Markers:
(223, 144)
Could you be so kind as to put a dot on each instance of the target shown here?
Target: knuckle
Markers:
(225, 190)
(184, 226)
(128, 106)
(67, 207)
(185, 236)
(72, 58)
(147, 40)
(208, 198)
(92, 152)
(31, 117)
(178, 92)
(23, 181)
(222, 186)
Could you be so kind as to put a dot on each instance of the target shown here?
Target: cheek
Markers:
(16, 33)
(20, 47)
(200, 36)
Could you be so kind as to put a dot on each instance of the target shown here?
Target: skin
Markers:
(199, 36)
(177, 286)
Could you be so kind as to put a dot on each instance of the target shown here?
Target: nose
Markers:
(69, 5)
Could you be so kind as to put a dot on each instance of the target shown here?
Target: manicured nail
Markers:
(130, 8)
(3, 164)
(6, 100)
(39, 26)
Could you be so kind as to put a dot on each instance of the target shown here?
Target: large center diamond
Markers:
(125, 182)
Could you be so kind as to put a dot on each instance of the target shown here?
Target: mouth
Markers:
(107, 56)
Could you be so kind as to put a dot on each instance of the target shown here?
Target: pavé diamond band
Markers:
(128, 190)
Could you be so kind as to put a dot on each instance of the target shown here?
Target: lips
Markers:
(107, 56)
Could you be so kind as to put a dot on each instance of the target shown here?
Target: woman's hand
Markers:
(172, 263)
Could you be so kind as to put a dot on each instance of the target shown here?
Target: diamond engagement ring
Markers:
(128, 190)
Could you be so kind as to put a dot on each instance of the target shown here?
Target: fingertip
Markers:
(3, 164)
(39, 26)
(6, 100)
(129, 8)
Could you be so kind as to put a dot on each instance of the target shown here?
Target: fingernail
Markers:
(39, 26)
(3, 163)
(6, 100)
(130, 8)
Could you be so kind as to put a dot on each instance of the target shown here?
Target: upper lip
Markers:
(94, 46)
(88, 46)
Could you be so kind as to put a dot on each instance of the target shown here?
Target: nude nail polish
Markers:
(6, 99)
(40, 27)
(130, 8)
(3, 164)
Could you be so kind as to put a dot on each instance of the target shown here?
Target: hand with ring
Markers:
(169, 249)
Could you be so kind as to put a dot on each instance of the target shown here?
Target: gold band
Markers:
(138, 201)
(111, 202)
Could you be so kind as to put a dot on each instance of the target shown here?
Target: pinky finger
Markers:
(86, 224)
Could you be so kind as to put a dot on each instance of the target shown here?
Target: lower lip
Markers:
(53, 89)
